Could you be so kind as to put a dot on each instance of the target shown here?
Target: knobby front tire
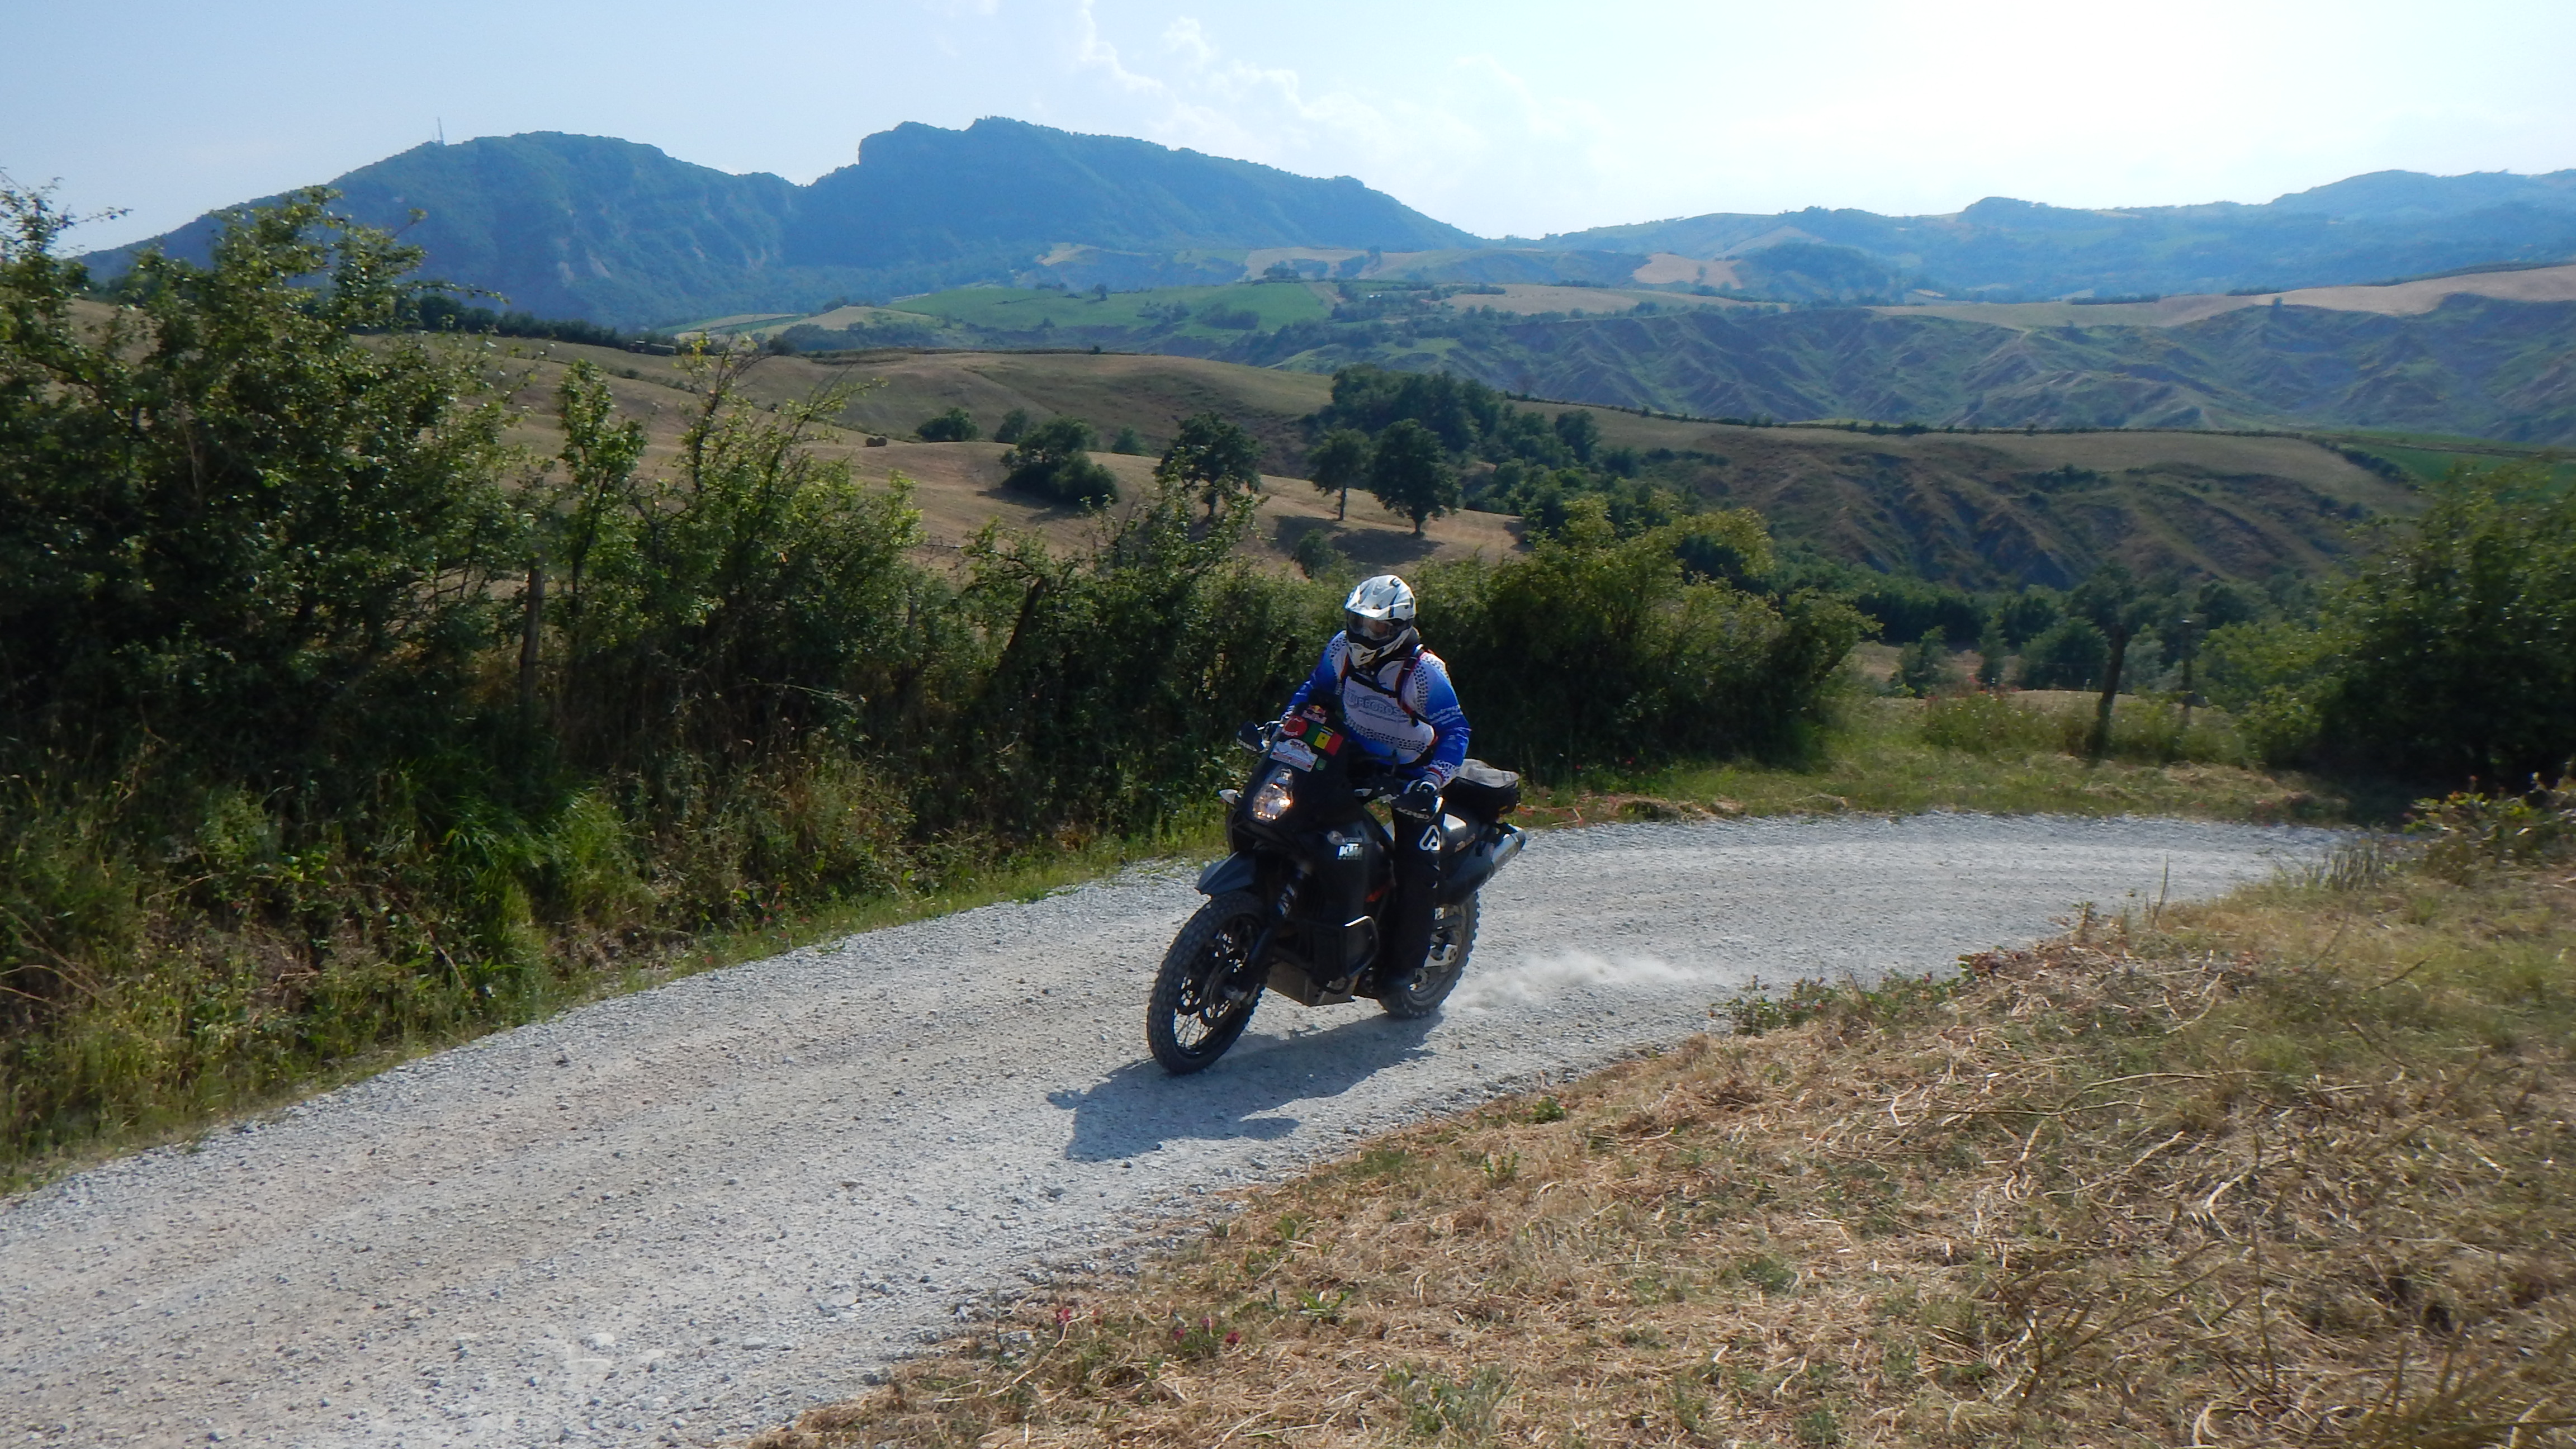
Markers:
(1201, 1003)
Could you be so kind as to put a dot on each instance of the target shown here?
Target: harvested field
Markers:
(2402, 299)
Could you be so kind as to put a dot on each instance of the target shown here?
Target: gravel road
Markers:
(681, 1216)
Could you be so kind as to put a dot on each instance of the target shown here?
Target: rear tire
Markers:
(1453, 935)
(1202, 998)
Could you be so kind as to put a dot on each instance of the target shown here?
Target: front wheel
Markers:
(1453, 935)
(1204, 994)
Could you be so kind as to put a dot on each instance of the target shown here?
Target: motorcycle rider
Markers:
(1398, 703)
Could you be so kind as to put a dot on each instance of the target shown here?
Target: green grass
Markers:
(2000, 758)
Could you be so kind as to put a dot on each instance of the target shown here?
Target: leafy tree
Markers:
(1924, 667)
(953, 426)
(1576, 429)
(2113, 602)
(1591, 648)
(230, 520)
(1053, 460)
(2021, 617)
(2450, 655)
(1991, 649)
(1280, 272)
(1373, 399)
(1128, 443)
(1410, 473)
(1015, 425)
(2068, 654)
(1213, 459)
(1338, 462)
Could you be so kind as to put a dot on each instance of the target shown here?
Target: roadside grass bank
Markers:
(1878, 755)
(2297, 1166)
(2006, 754)
(164, 1107)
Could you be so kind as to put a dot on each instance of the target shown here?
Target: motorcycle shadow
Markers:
(1139, 1107)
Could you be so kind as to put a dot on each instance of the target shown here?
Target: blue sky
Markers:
(1498, 116)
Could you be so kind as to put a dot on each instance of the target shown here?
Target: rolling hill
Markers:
(1978, 510)
(2488, 354)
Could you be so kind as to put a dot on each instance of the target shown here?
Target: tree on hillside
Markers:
(2452, 655)
(1015, 425)
(1409, 472)
(1053, 460)
(1580, 434)
(2113, 602)
(1339, 463)
(953, 426)
(1128, 442)
(1212, 458)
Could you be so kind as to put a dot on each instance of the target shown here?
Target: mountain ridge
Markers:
(621, 232)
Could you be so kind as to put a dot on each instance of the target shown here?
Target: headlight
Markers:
(1271, 800)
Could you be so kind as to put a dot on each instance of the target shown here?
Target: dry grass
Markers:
(2290, 1168)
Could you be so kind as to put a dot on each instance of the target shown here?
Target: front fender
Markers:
(1234, 873)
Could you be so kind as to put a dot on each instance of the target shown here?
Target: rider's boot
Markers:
(1417, 882)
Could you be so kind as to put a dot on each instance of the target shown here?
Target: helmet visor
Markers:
(1371, 631)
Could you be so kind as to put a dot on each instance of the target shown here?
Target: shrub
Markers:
(953, 426)
(1924, 668)
(2068, 654)
(1592, 649)
(2449, 655)
(1053, 460)
(1014, 425)
(1316, 557)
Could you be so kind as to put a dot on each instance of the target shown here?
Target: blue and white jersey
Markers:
(1404, 711)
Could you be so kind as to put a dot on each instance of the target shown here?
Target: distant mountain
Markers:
(2364, 229)
(2474, 366)
(588, 226)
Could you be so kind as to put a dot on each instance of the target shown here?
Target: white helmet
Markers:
(1378, 619)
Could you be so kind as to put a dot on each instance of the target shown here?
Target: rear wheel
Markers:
(1204, 994)
(1453, 935)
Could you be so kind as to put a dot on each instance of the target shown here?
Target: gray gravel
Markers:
(680, 1216)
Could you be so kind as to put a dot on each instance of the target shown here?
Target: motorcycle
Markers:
(1301, 906)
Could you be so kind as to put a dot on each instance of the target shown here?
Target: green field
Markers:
(2428, 456)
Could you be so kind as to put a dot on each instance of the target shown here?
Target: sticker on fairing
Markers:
(1293, 752)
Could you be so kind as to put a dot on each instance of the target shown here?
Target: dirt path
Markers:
(684, 1215)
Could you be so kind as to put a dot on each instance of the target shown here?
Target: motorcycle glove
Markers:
(1419, 798)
